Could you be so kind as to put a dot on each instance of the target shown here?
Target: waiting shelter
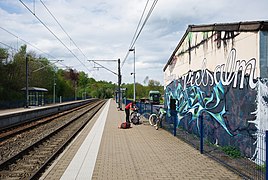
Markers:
(36, 96)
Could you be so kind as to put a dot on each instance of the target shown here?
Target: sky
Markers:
(104, 29)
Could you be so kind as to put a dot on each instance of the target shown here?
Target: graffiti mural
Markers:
(229, 73)
(227, 99)
(260, 121)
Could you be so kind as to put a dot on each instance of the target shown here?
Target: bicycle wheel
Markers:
(152, 119)
(160, 119)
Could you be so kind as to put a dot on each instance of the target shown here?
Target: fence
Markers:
(11, 104)
(144, 108)
(249, 163)
(21, 103)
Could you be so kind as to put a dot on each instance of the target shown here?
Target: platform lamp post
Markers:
(54, 78)
(27, 82)
(134, 74)
(118, 75)
(54, 81)
(54, 86)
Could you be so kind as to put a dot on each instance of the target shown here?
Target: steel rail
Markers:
(5, 165)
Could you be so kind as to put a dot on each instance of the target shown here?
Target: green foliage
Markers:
(3, 55)
(261, 167)
(231, 151)
(83, 79)
(207, 142)
(64, 87)
(143, 91)
(69, 83)
(101, 89)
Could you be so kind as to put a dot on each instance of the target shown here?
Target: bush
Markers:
(261, 167)
(231, 151)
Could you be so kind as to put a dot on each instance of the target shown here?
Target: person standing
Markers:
(127, 110)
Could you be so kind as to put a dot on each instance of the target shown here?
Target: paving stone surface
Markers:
(141, 152)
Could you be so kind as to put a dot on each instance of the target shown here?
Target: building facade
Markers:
(221, 71)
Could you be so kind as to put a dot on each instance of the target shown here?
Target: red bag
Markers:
(125, 125)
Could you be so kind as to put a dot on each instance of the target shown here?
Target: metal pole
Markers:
(119, 88)
(54, 90)
(174, 115)
(134, 78)
(134, 74)
(201, 133)
(75, 95)
(266, 154)
(119, 79)
(27, 82)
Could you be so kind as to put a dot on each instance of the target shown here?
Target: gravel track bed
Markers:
(33, 160)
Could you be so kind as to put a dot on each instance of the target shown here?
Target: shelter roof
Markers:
(35, 89)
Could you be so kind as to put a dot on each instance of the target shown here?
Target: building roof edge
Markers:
(237, 26)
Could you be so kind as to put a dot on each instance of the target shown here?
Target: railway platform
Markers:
(11, 117)
(103, 151)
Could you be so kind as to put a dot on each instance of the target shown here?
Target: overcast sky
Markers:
(103, 29)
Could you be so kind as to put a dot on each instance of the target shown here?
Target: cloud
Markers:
(103, 29)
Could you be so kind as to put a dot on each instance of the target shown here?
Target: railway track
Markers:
(27, 154)
(20, 128)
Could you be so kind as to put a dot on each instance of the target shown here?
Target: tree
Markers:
(64, 86)
(143, 91)
(3, 55)
(82, 79)
(15, 75)
(38, 69)
(68, 82)
(153, 83)
(3, 70)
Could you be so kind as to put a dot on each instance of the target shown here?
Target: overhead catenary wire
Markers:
(26, 42)
(11, 34)
(45, 66)
(146, 19)
(33, 13)
(15, 49)
(131, 44)
(67, 67)
(136, 36)
(63, 28)
(8, 46)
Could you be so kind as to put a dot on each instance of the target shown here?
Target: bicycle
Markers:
(156, 119)
(135, 116)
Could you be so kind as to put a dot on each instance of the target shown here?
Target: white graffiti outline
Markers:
(229, 73)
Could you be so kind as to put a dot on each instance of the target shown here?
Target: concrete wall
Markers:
(218, 73)
(214, 52)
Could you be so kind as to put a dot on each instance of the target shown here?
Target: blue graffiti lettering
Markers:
(192, 100)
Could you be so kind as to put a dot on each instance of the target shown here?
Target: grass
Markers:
(261, 167)
(231, 151)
